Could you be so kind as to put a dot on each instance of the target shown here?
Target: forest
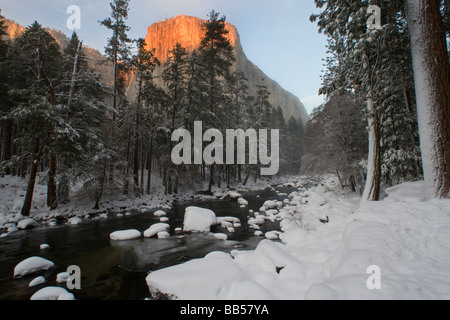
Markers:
(61, 122)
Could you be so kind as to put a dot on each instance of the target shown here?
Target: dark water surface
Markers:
(112, 270)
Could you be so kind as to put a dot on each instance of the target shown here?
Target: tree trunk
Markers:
(26, 208)
(6, 142)
(432, 81)
(373, 181)
(136, 152)
(52, 199)
(150, 165)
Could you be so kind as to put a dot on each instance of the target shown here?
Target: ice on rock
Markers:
(199, 220)
(155, 229)
(32, 265)
(52, 293)
(125, 235)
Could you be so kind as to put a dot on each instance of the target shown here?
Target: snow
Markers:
(125, 235)
(52, 293)
(198, 219)
(32, 265)
(155, 229)
(405, 236)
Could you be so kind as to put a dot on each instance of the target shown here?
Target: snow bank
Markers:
(408, 240)
(52, 293)
(125, 235)
(198, 220)
(32, 265)
(211, 274)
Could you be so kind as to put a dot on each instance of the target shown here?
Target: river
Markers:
(113, 270)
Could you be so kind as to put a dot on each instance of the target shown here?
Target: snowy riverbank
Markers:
(330, 247)
(12, 193)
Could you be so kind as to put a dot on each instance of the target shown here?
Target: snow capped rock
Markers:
(272, 235)
(53, 293)
(125, 235)
(155, 229)
(44, 246)
(74, 221)
(199, 220)
(32, 265)
(27, 224)
(36, 282)
(163, 235)
(160, 213)
(62, 277)
(220, 236)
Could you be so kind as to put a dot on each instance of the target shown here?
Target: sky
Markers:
(277, 36)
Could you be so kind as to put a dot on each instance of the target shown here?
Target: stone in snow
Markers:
(125, 235)
(32, 265)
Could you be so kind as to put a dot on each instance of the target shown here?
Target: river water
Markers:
(112, 270)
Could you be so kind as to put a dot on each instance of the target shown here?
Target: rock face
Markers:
(188, 32)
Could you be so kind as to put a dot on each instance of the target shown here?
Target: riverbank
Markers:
(398, 248)
(12, 193)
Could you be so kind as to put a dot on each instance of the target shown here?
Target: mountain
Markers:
(188, 32)
(95, 59)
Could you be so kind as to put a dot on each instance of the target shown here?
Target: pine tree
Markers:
(5, 104)
(36, 64)
(118, 48)
(363, 61)
(216, 58)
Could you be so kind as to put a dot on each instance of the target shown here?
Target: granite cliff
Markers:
(188, 32)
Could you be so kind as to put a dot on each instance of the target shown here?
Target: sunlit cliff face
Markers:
(163, 36)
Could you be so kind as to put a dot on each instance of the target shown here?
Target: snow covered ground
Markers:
(333, 247)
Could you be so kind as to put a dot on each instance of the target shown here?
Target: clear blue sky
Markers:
(276, 35)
